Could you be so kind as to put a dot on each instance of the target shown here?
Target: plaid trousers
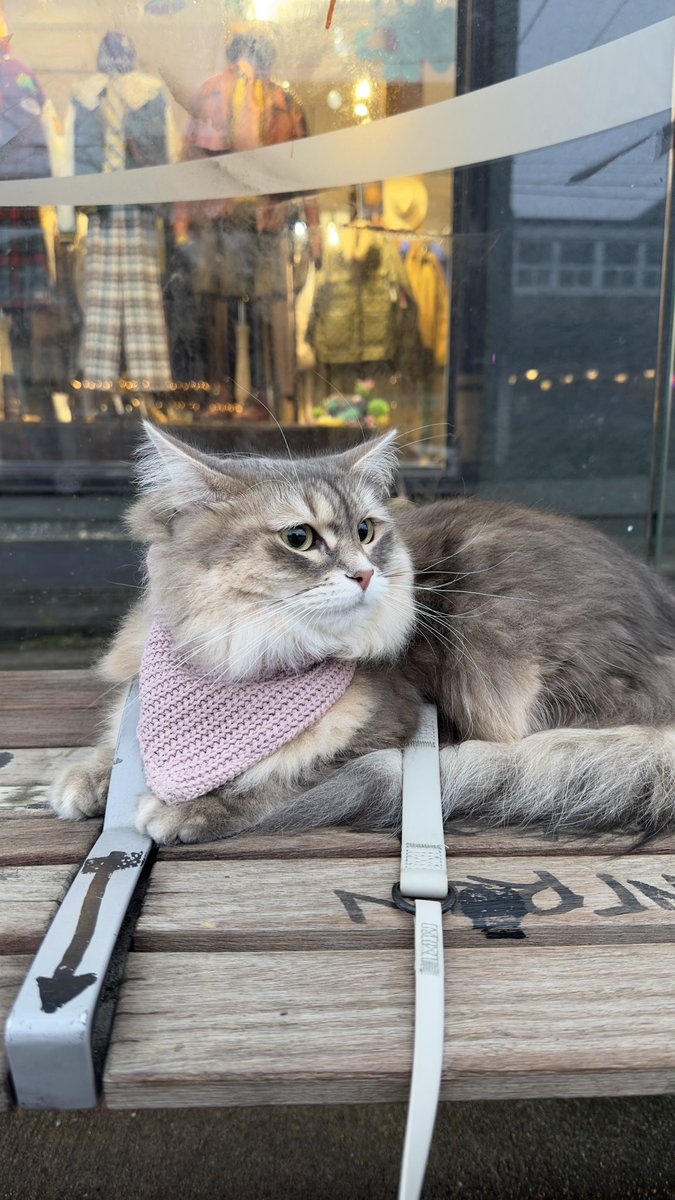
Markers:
(124, 305)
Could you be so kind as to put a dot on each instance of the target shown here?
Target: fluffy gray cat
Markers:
(549, 651)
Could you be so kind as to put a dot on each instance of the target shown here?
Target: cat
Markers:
(549, 651)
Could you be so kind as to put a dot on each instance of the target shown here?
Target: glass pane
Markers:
(559, 408)
(245, 324)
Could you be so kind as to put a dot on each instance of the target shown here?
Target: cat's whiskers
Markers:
(446, 589)
(273, 608)
(465, 574)
(268, 641)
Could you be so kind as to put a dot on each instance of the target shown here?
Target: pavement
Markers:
(506, 1150)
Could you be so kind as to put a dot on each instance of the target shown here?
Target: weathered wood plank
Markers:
(28, 690)
(327, 1027)
(461, 840)
(346, 904)
(29, 897)
(24, 801)
(30, 768)
(61, 726)
(12, 972)
(27, 842)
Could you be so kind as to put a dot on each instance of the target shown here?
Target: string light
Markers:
(513, 379)
(546, 385)
(621, 377)
(592, 374)
(650, 374)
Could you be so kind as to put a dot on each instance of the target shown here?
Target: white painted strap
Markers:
(423, 870)
(424, 879)
(49, 1030)
(622, 81)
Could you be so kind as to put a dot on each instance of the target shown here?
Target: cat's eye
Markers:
(300, 537)
(366, 531)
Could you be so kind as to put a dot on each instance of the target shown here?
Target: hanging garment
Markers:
(429, 286)
(357, 306)
(124, 300)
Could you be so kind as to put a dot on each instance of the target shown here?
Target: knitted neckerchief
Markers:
(197, 733)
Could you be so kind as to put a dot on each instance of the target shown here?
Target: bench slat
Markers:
(61, 726)
(26, 768)
(206, 1029)
(343, 903)
(29, 897)
(27, 842)
(29, 690)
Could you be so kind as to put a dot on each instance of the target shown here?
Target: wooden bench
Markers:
(278, 971)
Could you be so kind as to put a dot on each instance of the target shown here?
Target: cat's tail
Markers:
(599, 778)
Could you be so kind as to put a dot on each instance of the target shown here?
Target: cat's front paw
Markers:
(201, 820)
(81, 790)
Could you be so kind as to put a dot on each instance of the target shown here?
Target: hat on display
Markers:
(252, 41)
(116, 54)
(406, 201)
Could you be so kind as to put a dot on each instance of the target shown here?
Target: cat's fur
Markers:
(549, 651)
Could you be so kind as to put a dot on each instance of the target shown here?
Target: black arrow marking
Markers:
(64, 985)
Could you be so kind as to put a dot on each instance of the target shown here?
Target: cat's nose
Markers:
(363, 578)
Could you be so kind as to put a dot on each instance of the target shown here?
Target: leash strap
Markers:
(49, 1029)
(423, 890)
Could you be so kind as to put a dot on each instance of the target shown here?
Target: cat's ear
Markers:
(376, 461)
(177, 476)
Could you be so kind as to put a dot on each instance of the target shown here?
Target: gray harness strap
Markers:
(49, 1030)
(424, 881)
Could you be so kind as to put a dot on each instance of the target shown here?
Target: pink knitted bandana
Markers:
(197, 734)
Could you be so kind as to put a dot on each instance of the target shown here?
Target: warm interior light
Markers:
(264, 10)
(361, 110)
(333, 235)
(363, 89)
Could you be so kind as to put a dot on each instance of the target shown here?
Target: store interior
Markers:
(328, 311)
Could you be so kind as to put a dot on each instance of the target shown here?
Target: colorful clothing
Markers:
(197, 733)
(232, 113)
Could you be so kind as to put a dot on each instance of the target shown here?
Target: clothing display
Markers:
(120, 118)
(197, 733)
(123, 300)
(246, 249)
(28, 129)
(361, 300)
(426, 273)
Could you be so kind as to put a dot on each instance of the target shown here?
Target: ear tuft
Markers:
(376, 460)
(176, 475)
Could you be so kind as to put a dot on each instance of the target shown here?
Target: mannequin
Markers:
(245, 240)
(120, 118)
(28, 131)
